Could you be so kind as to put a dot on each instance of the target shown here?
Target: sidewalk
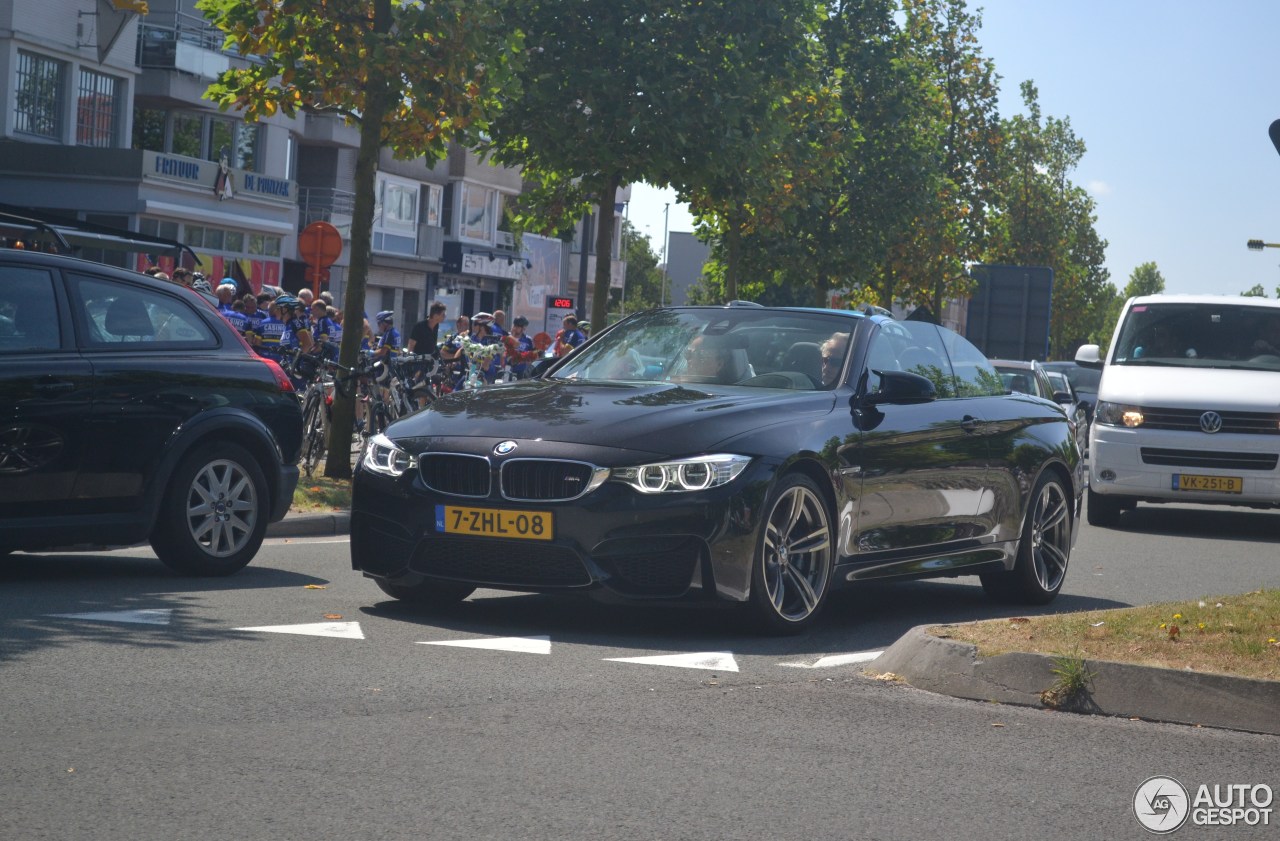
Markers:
(949, 667)
(324, 524)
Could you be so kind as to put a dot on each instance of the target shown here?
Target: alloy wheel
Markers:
(797, 553)
(1050, 536)
(222, 508)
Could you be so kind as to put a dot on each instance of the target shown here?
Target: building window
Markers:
(38, 104)
(433, 196)
(97, 109)
(186, 135)
(148, 129)
(395, 221)
(238, 140)
(479, 213)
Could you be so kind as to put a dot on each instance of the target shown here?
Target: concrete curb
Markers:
(948, 667)
(312, 525)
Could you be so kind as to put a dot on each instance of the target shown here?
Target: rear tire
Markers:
(428, 593)
(1044, 549)
(1103, 511)
(215, 511)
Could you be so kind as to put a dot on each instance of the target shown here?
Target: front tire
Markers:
(427, 593)
(214, 514)
(1044, 549)
(1102, 510)
(794, 558)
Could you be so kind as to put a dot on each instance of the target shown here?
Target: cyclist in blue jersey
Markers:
(226, 293)
(267, 333)
(325, 332)
(297, 329)
(387, 342)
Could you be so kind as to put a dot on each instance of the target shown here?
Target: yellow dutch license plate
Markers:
(495, 522)
(1219, 484)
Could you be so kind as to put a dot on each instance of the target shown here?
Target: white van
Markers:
(1188, 407)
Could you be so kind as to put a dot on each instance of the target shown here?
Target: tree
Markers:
(1040, 218)
(644, 278)
(1256, 292)
(1145, 280)
(624, 91)
(415, 76)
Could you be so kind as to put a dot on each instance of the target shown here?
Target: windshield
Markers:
(1226, 335)
(1080, 377)
(742, 346)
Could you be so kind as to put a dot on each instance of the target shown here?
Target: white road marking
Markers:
(524, 645)
(837, 660)
(345, 630)
(159, 616)
(719, 661)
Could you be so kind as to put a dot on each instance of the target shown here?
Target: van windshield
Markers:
(1226, 335)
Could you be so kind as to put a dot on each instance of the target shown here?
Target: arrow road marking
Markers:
(345, 630)
(159, 616)
(837, 660)
(719, 661)
(524, 645)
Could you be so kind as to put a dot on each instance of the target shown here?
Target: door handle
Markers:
(969, 423)
(49, 386)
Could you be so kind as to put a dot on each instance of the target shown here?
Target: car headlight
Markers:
(687, 474)
(1116, 414)
(381, 455)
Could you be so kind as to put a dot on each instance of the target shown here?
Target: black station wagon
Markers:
(131, 411)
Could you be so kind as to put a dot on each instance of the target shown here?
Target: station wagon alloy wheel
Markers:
(222, 508)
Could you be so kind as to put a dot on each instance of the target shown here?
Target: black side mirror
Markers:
(1062, 397)
(901, 388)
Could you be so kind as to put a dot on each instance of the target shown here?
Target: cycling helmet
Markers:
(385, 315)
(287, 302)
(201, 285)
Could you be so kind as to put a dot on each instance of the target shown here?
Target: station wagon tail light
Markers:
(282, 379)
(1114, 414)
(682, 475)
(383, 456)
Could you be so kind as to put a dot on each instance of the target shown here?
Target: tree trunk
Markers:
(605, 198)
(735, 258)
(338, 463)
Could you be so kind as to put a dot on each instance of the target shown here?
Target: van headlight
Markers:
(1117, 414)
(681, 475)
(381, 455)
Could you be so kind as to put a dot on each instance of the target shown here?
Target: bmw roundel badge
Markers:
(504, 448)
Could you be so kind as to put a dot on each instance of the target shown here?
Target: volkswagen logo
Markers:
(509, 446)
(1211, 422)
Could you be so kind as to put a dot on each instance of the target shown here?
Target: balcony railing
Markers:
(325, 204)
(159, 39)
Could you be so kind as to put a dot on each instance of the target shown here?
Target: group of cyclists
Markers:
(282, 326)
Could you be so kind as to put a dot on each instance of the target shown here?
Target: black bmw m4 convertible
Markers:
(739, 453)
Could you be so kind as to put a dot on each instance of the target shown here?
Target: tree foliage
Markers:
(621, 91)
(415, 76)
(1042, 219)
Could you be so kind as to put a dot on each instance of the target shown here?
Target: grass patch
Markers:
(1234, 635)
(321, 494)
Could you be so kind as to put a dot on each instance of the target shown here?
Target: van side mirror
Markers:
(1089, 356)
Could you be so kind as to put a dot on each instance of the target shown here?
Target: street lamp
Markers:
(1258, 245)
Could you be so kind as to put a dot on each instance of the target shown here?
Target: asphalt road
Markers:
(169, 718)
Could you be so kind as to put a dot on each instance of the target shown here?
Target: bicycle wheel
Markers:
(314, 430)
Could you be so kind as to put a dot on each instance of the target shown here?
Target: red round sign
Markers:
(319, 244)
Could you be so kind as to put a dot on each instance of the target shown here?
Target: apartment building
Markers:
(105, 123)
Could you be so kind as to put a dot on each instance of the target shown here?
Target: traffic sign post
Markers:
(319, 245)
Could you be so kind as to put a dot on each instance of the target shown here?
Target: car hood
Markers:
(654, 418)
(1191, 388)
